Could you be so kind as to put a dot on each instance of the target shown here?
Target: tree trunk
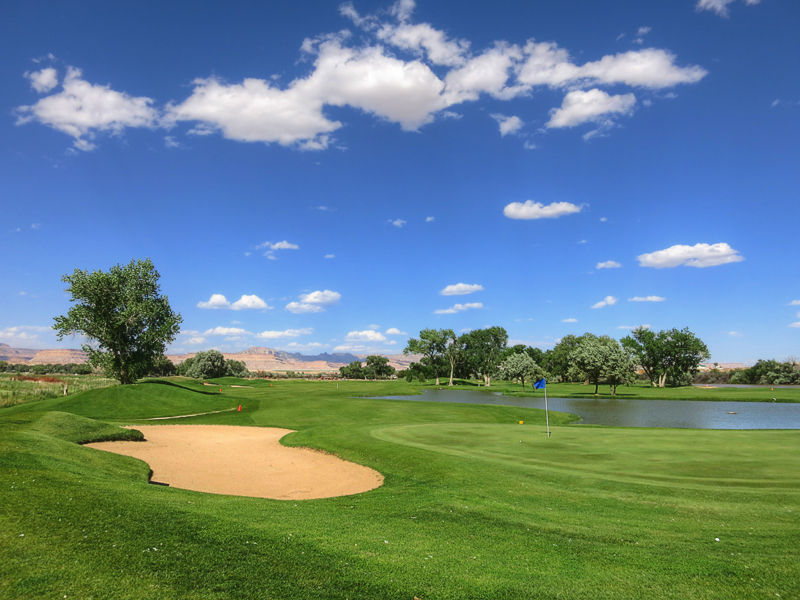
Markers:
(452, 368)
(662, 381)
(596, 387)
(437, 380)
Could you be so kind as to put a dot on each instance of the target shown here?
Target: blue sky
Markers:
(315, 176)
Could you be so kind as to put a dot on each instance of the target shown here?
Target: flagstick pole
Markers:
(546, 414)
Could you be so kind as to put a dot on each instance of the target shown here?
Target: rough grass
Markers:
(21, 389)
(474, 505)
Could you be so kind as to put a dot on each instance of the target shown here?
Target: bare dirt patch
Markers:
(243, 461)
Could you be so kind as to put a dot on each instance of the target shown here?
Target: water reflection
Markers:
(688, 414)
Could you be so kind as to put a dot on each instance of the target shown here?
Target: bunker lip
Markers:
(243, 461)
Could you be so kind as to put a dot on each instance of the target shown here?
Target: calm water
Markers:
(689, 414)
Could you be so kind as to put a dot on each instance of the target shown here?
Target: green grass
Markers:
(639, 391)
(474, 505)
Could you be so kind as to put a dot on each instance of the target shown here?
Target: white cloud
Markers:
(643, 31)
(330, 256)
(719, 6)
(536, 210)
(284, 245)
(398, 222)
(43, 81)
(243, 303)
(603, 219)
(288, 333)
(795, 324)
(373, 326)
(590, 106)
(547, 64)
(314, 302)
(311, 346)
(459, 289)
(645, 326)
(507, 124)
(609, 264)
(607, 301)
(368, 73)
(368, 335)
(226, 331)
(734, 334)
(395, 331)
(458, 308)
(570, 320)
(83, 109)
(794, 303)
(646, 299)
(21, 333)
(171, 142)
(196, 340)
(430, 219)
(699, 255)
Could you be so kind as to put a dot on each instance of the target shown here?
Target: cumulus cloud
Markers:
(395, 331)
(456, 308)
(368, 335)
(243, 303)
(609, 264)
(719, 6)
(593, 105)
(82, 109)
(607, 301)
(226, 331)
(399, 71)
(194, 341)
(330, 256)
(699, 255)
(22, 333)
(288, 333)
(647, 299)
(459, 289)
(507, 124)
(794, 303)
(284, 245)
(43, 81)
(430, 219)
(570, 320)
(314, 302)
(795, 324)
(398, 222)
(536, 210)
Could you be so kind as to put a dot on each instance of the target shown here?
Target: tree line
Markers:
(669, 357)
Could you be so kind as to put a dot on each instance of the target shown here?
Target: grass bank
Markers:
(474, 504)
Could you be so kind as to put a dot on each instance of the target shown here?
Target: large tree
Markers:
(126, 320)
(379, 366)
(671, 354)
(432, 344)
(601, 359)
(520, 365)
(484, 350)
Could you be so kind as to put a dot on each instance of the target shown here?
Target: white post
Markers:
(546, 414)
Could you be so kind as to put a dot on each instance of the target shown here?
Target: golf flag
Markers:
(539, 385)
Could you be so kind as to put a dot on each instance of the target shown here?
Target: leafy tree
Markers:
(602, 359)
(123, 314)
(352, 371)
(380, 366)
(432, 344)
(673, 354)
(483, 351)
(207, 365)
(557, 361)
(520, 365)
(163, 367)
(236, 368)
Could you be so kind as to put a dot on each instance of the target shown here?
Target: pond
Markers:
(686, 414)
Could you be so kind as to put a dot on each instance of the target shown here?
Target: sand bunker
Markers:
(242, 461)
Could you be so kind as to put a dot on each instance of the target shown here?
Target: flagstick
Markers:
(546, 414)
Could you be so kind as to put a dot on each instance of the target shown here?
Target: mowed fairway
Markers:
(474, 505)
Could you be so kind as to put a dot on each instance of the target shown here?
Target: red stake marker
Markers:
(240, 408)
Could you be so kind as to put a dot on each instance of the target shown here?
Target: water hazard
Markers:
(686, 414)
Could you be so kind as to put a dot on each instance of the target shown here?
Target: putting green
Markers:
(689, 458)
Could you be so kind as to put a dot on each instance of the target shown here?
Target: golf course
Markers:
(475, 501)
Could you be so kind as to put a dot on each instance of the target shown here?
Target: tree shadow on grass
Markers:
(177, 385)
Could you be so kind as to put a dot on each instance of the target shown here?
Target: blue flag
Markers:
(539, 385)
